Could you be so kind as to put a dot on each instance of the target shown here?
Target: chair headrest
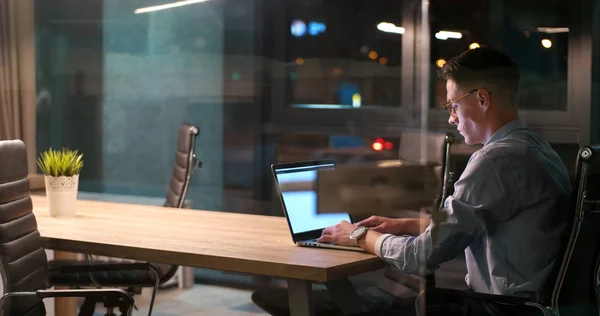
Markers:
(13, 159)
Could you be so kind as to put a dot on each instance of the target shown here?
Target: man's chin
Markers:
(467, 140)
(471, 143)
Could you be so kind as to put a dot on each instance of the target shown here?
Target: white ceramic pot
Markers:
(61, 193)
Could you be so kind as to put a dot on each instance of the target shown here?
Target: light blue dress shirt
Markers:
(508, 213)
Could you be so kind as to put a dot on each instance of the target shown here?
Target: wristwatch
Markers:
(358, 233)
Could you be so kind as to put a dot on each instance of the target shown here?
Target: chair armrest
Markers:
(196, 163)
(104, 267)
(85, 293)
(41, 294)
(590, 153)
(506, 299)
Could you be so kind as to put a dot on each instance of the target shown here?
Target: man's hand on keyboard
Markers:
(338, 234)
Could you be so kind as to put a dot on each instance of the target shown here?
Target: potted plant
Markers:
(61, 174)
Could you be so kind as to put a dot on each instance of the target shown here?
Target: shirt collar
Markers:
(505, 130)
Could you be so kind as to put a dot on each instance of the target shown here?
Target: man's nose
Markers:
(452, 120)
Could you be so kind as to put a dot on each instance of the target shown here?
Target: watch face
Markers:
(358, 232)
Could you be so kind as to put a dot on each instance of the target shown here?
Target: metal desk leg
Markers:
(344, 295)
(65, 306)
(186, 277)
(300, 298)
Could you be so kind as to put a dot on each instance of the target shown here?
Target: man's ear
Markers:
(483, 97)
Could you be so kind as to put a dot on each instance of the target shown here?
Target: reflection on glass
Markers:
(123, 75)
(535, 33)
(343, 54)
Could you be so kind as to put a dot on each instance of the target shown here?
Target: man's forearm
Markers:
(414, 226)
(410, 226)
(368, 241)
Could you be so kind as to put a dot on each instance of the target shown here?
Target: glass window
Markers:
(121, 76)
(115, 79)
(534, 33)
(342, 53)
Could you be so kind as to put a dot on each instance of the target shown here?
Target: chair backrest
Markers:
(185, 161)
(445, 170)
(22, 258)
(575, 288)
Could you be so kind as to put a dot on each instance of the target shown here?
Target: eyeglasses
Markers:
(448, 106)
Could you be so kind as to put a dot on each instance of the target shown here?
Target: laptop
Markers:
(296, 187)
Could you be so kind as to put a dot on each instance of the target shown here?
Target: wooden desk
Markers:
(215, 240)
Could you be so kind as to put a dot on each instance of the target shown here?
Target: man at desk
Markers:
(507, 212)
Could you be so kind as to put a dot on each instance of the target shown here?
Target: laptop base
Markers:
(314, 243)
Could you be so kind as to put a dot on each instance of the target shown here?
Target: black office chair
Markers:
(23, 261)
(185, 162)
(573, 287)
(153, 274)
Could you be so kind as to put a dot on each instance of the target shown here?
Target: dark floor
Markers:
(223, 293)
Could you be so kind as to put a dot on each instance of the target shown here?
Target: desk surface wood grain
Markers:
(215, 240)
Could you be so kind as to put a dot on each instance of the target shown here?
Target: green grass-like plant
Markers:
(65, 162)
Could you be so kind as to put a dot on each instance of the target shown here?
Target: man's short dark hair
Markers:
(484, 65)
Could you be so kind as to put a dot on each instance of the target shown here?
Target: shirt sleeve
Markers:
(461, 221)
